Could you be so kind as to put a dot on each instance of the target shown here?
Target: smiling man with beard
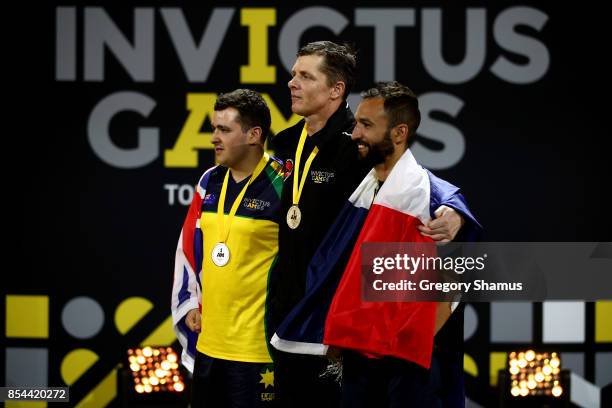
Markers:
(323, 166)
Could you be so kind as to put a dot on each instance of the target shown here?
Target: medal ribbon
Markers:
(224, 228)
(297, 191)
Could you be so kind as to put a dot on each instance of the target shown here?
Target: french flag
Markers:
(332, 313)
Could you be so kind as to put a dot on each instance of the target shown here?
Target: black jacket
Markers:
(333, 176)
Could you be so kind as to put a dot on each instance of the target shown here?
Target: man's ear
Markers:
(338, 90)
(254, 135)
(400, 134)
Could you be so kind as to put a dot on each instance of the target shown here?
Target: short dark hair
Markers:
(400, 103)
(252, 109)
(339, 62)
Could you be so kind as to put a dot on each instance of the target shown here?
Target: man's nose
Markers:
(292, 83)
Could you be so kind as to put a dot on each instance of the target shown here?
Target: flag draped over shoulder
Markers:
(187, 288)
(332, 311)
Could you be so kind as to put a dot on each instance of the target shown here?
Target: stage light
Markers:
(538, 373)
(534, 378)
(146, 371)
(151, 375)
(532, 384)
(555, 362)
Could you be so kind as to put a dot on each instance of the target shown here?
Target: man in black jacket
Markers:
(323, 168)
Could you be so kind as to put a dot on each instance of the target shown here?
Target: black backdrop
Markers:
(535, 167)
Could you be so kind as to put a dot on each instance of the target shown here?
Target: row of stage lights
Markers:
(155, 370)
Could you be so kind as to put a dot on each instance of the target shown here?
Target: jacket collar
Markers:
(342, 120)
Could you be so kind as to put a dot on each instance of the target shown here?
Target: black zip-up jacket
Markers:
(334, 174)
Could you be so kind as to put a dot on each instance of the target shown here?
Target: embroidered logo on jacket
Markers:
(255, 204)
(319, 176)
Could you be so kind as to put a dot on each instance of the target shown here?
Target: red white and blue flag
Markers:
(187, 288)
(333, 312)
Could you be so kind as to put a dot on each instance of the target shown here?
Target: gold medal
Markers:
(220, 254)
(294, 216)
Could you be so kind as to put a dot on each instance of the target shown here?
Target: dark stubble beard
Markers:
(378, 152)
